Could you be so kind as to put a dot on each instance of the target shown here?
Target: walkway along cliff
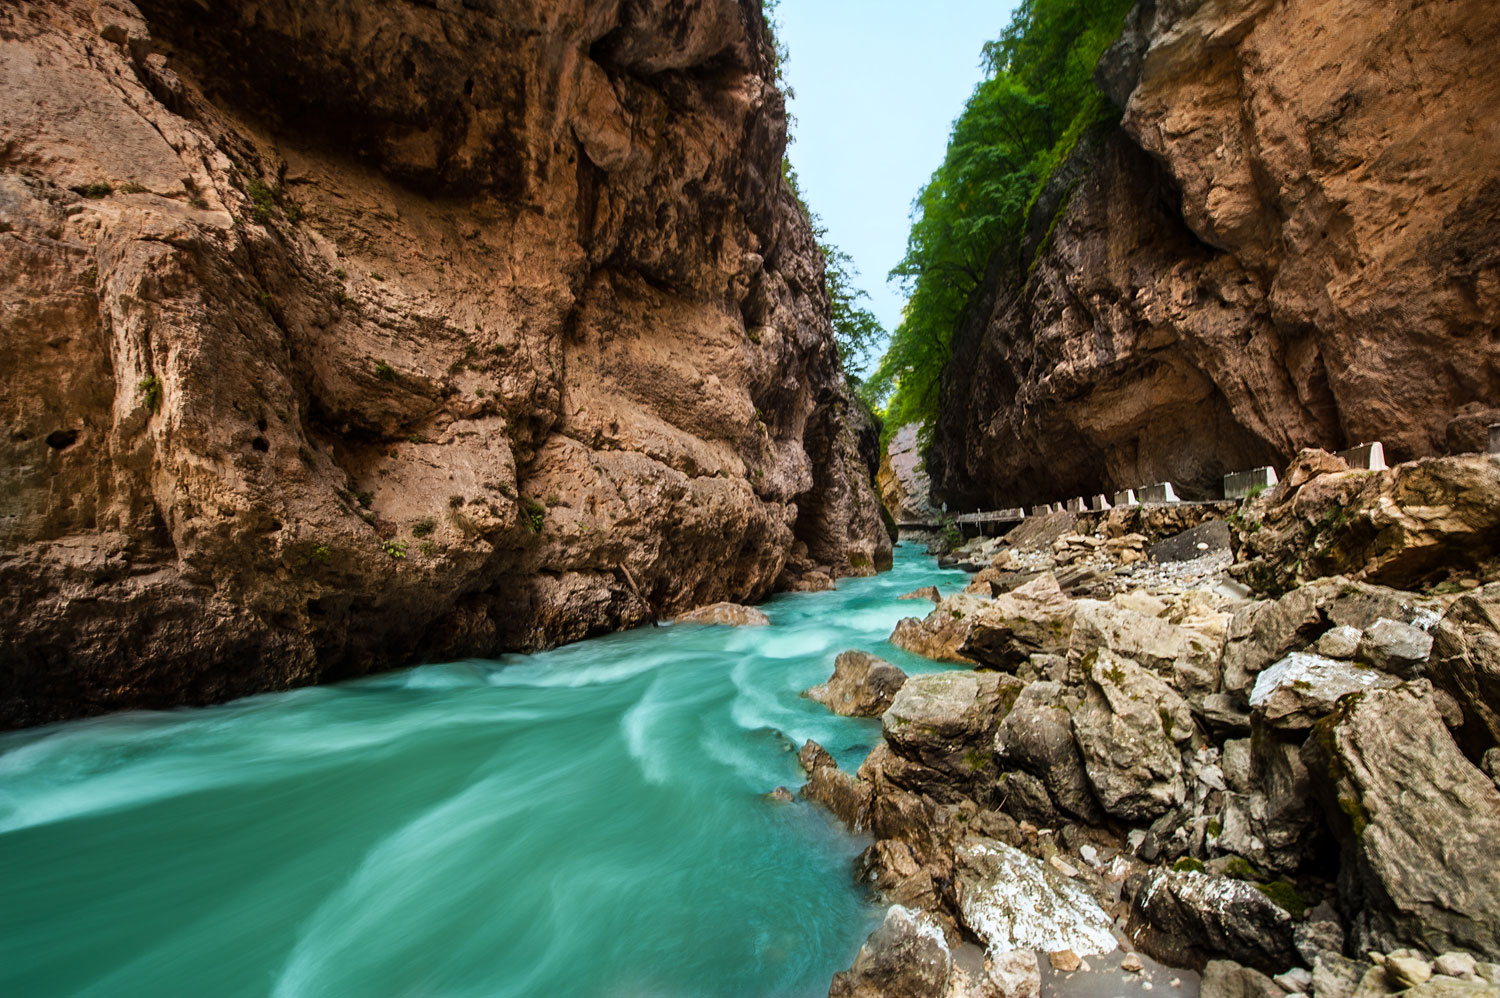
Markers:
(338, 335)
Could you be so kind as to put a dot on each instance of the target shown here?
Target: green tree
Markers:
(1036, 100)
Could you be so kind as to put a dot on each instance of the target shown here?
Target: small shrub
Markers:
(132, 188)
(396, 549)
(150, 387)
(265, 299)
(95, 191)
(416, 438)
(262, 200)
(429, 549)
(455, 502)
(554, 500)
(423, 527)
(384, 371)
(376, 276)
(341, 274)
(535, 514)
(365, 498)
(322, 553)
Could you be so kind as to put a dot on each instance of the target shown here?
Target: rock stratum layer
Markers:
(1289, 241)
(339, 335)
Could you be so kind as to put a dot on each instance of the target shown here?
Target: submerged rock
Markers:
(725, 615)
(1417, 824)
(861, 685)
(848, 797)
(1010, 901)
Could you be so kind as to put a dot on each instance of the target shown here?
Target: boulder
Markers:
(1009, 900)
(1189, 657)
(905, 957)
(1034, 619)
(1393, 647)
(1341, 642)
(726, 615)
(1336, 976)
(1274, 820)
(1263, 632)
(1013, 974)
(1208, 537)
(848, 797)
(861, 685)
(1465, 661)
(939, 635)
(1037, 736)
(1126, 729)
(1299, 689)
(1417, 824)
(925, 592)
(1186, 918)
(1227, 979)
(942, 726)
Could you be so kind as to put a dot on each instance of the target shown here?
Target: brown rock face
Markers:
(1289, 242)
(340, 335)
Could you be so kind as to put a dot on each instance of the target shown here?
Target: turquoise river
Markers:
(586, 821)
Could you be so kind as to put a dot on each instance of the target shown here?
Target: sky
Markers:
(878, 84)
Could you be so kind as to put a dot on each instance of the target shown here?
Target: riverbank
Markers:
(1236, 748)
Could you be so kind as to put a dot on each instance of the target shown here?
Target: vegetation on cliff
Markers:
(1037, 98)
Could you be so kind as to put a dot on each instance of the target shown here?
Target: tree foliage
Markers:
(1037, 98)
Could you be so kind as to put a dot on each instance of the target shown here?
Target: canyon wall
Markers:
(1290, 240)
(341, 335)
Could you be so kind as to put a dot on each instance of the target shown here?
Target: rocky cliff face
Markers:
(1288, 242)
(338, 335)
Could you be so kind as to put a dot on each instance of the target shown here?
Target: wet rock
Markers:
(905, 957)
(1227, 979)
(925, 592)
(725, 615)
(848, 797)
(1037, 736)
(1465, 660)
(942, 726)
(861, 685)
(1189, 657)
(1126, 729)
(1388, 774)
(781, 795)
(1010, 901)
(1393, 647)
(939, 635)
(1299, 689)
(1034, 619)
(1186, 917)
(1341, 642)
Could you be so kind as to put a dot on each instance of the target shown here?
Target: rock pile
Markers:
(1293, 793)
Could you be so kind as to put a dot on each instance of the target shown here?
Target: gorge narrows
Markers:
(585, 821)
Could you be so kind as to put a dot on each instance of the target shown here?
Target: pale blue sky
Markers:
(878, 84)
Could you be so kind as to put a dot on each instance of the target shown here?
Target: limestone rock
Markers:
(1466, 660)
(1012, 974)
(942, 632)
(1037, 736)
(1010, 901)
(1213, 324)
(925, 592)
(1126, 729)
(1227, 979)
(861, 685)
(1273, 821)
(1301, 688)
(1033, 619)
(385, 333)
(1388, 774)
(1341, 642)
(1394, 647)
(905, 957)
(943, 725)
(725, 615)
(848, 797)
(1186, 917)
(1187, 656)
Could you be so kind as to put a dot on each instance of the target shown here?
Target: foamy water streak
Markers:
(588, 821)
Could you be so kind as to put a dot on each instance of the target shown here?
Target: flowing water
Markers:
(586, 821)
